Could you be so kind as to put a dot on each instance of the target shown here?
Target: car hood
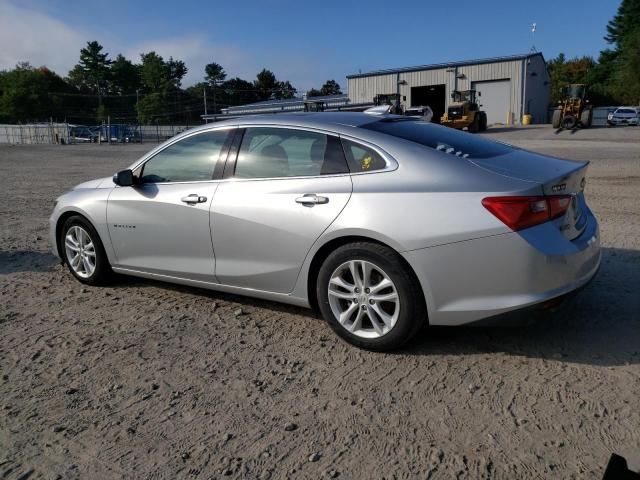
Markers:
(106, 182)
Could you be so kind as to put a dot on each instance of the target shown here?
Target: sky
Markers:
(303, 42)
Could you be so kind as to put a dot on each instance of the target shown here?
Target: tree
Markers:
(161, 81)
(314, 93)
(626, 84)
(92, 73)
(330, 87)
(626, 20)
(31, 94)
(125, 76)
(285, 91)
(266, 84)
(214, 73)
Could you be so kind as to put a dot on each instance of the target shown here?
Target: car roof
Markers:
(332, 121)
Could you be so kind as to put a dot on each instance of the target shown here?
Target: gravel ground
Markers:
(143, 379)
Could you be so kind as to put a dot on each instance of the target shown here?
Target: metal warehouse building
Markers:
(509, 87)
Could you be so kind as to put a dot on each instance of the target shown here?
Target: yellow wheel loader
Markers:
(464, 112)
(574, 110)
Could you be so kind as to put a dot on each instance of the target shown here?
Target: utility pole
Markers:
(215, 110)
(204, 94)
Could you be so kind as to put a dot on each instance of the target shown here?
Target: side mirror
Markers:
(124, 178)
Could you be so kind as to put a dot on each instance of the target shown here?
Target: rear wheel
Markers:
(83, 251)
(586, 117)
(557, 117)
(369, 296)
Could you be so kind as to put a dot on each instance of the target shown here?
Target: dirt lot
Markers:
(149, 380)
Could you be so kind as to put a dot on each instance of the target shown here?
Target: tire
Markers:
(586, 117)
(475, 125)
(405, 311)
(483, 121)
(569, 122)
(79, 229)
(557, 118)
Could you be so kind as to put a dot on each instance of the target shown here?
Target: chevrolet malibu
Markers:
(383, 223)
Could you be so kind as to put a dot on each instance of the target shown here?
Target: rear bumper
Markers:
(465, 282)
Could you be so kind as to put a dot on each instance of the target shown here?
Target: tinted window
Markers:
(188, 160)
(626, 110)
(284, 152)
(440, 138)
(362, 158)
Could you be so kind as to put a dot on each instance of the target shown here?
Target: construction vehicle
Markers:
(464, 112)
(314, 105)
(391, 100)
(574, 110)
(390, 103)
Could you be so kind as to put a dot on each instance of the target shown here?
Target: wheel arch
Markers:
(64, 216)
(331, 245)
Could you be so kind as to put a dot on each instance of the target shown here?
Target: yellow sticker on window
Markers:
(366, 162)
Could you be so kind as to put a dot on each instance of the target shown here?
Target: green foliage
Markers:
(30, 94)
(151, 107)
(214, 73)
(627, 77)
(330, 87)
(93, 71)
(125, 76)
(626, 20)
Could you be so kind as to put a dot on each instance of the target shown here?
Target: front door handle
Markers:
(193, 199)
(311, 199)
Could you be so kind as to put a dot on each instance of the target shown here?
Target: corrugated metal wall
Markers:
(363, 89)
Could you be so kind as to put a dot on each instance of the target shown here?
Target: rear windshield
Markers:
(444, 139)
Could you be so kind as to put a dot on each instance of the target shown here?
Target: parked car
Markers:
(624, 116)
(384, 223)
(82, 134)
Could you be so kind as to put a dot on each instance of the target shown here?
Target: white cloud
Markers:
(29, 36)
(40, 39)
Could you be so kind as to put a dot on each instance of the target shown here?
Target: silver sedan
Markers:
(383, 223)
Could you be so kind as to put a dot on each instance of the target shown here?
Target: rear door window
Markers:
(268, 152)
(443, 139)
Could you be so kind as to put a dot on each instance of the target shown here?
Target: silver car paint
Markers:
(469, 264)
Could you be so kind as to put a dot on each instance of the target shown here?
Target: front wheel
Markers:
(83, 251)
(370, 297)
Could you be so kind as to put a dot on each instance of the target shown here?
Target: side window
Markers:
(362, 158)
(191, 159)
(286, 152)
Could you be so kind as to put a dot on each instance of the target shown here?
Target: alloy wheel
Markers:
(363, 299)
(81, 252)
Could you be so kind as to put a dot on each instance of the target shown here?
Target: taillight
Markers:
(524, 212)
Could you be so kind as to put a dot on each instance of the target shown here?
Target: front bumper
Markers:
(468, 281)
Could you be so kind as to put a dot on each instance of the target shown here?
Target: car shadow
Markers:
(13, 261)
(599, 326)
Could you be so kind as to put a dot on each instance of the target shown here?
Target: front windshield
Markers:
(575, 91)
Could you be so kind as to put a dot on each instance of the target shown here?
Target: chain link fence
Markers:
(65, 133)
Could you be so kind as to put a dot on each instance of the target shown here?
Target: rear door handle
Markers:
(193, 199)
(311, 199)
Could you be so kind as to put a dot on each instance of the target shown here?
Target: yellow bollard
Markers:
(526, 119)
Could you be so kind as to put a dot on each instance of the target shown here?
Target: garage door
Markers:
(494, 98)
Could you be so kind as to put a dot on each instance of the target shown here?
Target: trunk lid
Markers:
(556, 177)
